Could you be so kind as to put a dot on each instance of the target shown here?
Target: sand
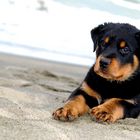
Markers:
(31, 89)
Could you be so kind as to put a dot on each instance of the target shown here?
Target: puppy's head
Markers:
(117, 49)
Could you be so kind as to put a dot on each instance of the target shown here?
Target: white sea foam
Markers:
(60, 34)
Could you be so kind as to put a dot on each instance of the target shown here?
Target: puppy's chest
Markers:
(107, 89)
(115, 90)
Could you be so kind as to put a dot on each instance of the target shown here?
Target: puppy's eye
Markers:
(125, 50)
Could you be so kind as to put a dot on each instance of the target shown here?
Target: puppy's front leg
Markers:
(78, 104)
(72, 109)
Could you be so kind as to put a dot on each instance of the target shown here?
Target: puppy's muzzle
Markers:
(104, 63)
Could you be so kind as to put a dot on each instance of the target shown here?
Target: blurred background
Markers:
(59, 30)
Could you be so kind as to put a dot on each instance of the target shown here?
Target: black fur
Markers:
(130, 110)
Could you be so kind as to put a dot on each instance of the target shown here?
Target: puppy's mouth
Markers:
(109, 76)
(113, 70)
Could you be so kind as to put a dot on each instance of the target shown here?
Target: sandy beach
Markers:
(31, 89)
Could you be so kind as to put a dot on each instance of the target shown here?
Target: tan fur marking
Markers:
(106, 40)
(91, 92)
(72, 109)
(96, 67)
(122, 44)
(110, 111)
(123, 72)
(78, 103)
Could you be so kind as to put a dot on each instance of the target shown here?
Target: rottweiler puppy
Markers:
(111, 89)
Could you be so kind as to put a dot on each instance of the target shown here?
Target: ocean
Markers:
(59, 30)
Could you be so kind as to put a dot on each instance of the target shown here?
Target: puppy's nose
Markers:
(104, 63)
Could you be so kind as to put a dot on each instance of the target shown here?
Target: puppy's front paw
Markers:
(72, 109)
(102, 114)
(65, 114)
(110, 111)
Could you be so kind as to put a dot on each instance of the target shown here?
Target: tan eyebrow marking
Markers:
(106, 40)
(122, 44)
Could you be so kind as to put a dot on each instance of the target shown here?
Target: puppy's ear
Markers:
(96, 33)
(137, 36)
